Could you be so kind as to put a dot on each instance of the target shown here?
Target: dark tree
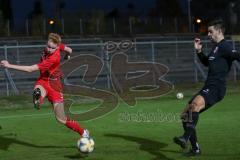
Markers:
(5, 7)
(113, 14)
(37, 9)
(36, 18)
(168, 8)
(210, 9)
(131, 9)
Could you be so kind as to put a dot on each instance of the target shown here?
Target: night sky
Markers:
(21, 10)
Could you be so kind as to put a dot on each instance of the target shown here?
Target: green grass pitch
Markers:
(26, 133)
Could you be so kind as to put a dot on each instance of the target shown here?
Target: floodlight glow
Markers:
(51, 22)
(198, 20)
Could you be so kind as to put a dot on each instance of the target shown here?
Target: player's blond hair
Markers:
(55, 38)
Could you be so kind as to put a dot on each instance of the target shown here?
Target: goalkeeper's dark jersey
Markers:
(219, 62)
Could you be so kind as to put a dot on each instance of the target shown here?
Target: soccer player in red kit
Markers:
(49, 84)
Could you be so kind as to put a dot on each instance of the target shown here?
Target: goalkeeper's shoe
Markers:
(37, 98)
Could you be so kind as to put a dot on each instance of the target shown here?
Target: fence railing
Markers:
(94, 26)
(178, 55)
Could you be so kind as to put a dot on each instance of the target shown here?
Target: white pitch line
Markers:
(32, 115)
(26, 115)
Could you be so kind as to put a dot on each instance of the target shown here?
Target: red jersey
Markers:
(50, 64)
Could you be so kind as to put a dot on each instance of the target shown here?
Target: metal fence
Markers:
(94, 26)
(175, 53)
(97, 23)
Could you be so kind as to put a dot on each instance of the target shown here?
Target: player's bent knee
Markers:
(37, 91)
(192, 105)
(195, 107)
(61, 120)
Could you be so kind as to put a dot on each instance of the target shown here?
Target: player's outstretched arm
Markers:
(31, 68)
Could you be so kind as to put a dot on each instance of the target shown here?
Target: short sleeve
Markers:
(230, 53)
(62, 47)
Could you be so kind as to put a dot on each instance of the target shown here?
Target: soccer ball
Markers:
(85, 145)
(179, 95)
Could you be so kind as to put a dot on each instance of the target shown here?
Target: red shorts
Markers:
(53, 89)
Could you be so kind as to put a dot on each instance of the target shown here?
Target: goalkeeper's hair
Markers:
(218, 24)
(55, 38)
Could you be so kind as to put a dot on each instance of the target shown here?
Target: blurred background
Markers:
(107, 17)
(161, 31)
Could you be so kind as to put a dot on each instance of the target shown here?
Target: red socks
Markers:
(74, 126)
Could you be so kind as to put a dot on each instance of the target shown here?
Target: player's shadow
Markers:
(153, 147)
(8, 139)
